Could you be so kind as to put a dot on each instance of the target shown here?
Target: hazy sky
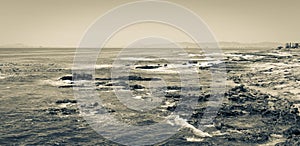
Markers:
(64, 22)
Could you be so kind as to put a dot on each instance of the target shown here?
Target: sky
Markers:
(62, 23)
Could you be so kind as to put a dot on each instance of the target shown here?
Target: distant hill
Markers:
(182, 44)
(17, 45)
(221, 45)
(236, 45)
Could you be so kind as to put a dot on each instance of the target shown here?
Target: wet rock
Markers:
(133, 87)
(99, 83)
(292, 131)
(130, 78)
(203, 98)
(294, 141)
(62, 111)
(256, 138)
(204, 67)
(65, 101)
(66, 86)
(147, 67)
(240, 88)
(193, 62)
(172, 95)
(171, 108)
(173, 88)
(110, 110)
(103, 79)
(66, 111)
(137, 78)
(67, 77)
(198, 113)
(112, 84)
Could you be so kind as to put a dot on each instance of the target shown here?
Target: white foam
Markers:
(137, 59)
(137, 97)
(57, 83)
(103, 66)
(2, 76)
(168, 104)
(165, 69)
(210, 63)
(195, 55)
(184, 124)
(193, 139)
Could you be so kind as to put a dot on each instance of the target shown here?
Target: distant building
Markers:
(292, 45)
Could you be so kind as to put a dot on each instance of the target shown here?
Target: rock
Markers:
(172, 95)
(65, 101)
(173, 88)
(293, 131)
(256, 137)
(147, 67)
(66, 111)
(294, 141)
(63, 111)
(137, 78)
(171, 108)
(66, 86)
(133, 87)
(193, 62)
(99, 83)
(240, 88)
(67, 77)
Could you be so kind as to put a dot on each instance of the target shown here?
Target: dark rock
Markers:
(99, 83)
(136, 87)
(147, 67)
(293, 131)
(203, 98)
(66, 111)
(193, 62)
(294, 141)
(256, 138)
(65, 101)
(204, 67)
(63, 111)
(82, 76)
(240, 88)
(171, 108)
(173, 88)
(137, 78)
(66, 86)
(66, 78)
(171, 95)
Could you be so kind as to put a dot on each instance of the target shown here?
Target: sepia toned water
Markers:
(259, 108)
